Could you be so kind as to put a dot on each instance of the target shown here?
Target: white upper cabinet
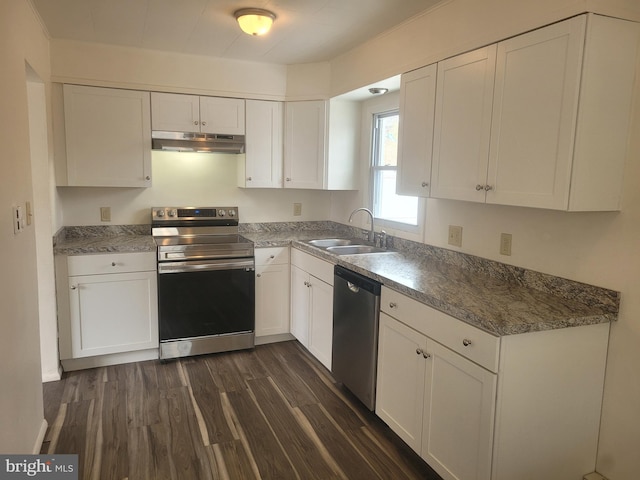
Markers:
(463, 125)
(190, 113)
(107, 138)
(321, 144)
(262, 165)
(417, 105)
(547, 126)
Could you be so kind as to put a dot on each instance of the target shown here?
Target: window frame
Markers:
(417, 229)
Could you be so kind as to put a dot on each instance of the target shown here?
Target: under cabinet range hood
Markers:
(196, 142)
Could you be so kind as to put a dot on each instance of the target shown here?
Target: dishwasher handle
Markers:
(358, 281)
(353, 287)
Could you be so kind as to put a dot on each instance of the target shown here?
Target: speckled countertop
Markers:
(498, 298)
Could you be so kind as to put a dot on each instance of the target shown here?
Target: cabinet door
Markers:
(300, 305)
(459, 412)
(264, 147)
(108, 137)
(113, 313)
(174, 112)
(222, 115)
(463, 125)
(305, 144)
(417, 106)
(321, 320)
(272, 299)
(401, 380)
(534, 116)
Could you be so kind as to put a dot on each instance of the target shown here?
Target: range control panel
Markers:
(159, 214)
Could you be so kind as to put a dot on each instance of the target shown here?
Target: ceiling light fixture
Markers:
(378, 90)
(254, 21)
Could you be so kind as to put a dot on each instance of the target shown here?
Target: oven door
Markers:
(206, 298)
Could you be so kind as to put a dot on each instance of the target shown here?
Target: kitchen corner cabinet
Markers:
(415, 143)
(560, 112)
(107, 304)
(480, 407)
(261, 166)
(107, 138)
(321, 144)
(272, 291)
(312, 304)
(191, 113)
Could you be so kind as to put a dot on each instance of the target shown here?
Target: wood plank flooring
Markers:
(269, 413)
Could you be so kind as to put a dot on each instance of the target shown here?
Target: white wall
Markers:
(596, 248)
(21, 409)
(190, 179)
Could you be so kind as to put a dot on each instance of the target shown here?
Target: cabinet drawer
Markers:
(467, 340)
(272, 256)
(111, 263)
(315, 266)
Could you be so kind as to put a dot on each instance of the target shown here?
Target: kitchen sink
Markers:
(355, 249)
(333, 242)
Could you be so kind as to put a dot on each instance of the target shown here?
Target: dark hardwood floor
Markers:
(269, 413)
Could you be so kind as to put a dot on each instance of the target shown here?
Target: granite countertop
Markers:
(503, 303)
(497, 298)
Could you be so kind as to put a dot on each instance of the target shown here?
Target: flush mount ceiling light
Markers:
(254, 21)
(378, 90)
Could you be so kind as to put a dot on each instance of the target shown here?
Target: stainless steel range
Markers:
(206, 283)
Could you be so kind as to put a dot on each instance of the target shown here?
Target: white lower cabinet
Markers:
(480, 407)
(107, 304)
(272, 291)
(312, 304)
(441, 404)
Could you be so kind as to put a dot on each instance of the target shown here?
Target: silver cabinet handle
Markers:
(466, 342)
(480, 187)
(487, 188)
(425, 184)
(392, 305)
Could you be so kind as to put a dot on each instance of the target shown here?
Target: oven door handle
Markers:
(209, 265)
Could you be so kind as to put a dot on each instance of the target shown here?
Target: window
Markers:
(398, 209)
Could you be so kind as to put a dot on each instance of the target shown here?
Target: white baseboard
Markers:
(281, 337)
(40, 437)
(71, 364)
(52, 376)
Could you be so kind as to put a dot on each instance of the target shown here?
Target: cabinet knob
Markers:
(74, 287)
(418, 351)
(113, 264)
(195, 122)
(204, 124)
(288, 179)
(272, 256)
(147, 177)
(426, 355)
(425, 184)
(487, 188)
(249, 179)
(392, 305)
(479, 187)
(259, 275)
(466, 342)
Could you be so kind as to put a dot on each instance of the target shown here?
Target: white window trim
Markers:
(411, 232)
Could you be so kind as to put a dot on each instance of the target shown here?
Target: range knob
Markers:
(232, 213)
(173, 213)
(160, 213)
(221, 213)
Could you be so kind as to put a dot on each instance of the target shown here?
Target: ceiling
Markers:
(305, 31)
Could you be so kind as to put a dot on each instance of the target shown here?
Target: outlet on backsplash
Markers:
(455, 235)
(297, 209)
(105, 214)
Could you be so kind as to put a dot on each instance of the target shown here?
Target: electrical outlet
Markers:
(297, 209)
(18, 220)
(105, 214)
(505, 244)
(455, 235)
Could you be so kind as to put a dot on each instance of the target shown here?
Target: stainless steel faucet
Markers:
(371, 233)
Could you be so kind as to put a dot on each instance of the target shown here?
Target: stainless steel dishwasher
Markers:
(356, 311)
